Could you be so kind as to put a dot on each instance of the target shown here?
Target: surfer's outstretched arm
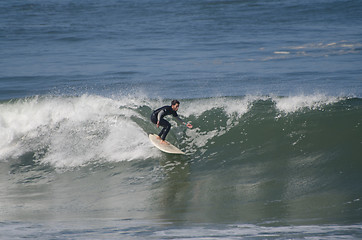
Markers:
(183, 123)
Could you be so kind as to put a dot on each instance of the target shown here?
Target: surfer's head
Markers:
(175, 104)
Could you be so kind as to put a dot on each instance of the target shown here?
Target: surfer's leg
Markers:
(166, 128)
(161, 133)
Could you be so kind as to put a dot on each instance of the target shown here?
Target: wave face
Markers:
(55, 128)
(250, 158)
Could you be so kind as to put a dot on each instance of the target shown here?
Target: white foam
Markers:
(296, 103)
(281, 52)
(261, 232)
(231, 106)
(73, 131)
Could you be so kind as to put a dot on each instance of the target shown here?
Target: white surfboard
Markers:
(167, 148)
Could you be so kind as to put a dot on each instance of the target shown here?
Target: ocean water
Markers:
(272, 88)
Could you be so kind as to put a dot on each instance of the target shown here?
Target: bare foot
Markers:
(161, 141)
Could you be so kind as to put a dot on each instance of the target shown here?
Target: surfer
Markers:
(158, 115)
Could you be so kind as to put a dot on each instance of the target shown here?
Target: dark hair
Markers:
(174, 102)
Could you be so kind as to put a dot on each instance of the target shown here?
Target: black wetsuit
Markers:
(159, 114)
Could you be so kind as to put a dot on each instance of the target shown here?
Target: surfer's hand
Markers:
(189, 125)
(158, 124)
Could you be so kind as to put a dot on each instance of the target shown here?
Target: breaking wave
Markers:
(67, 132)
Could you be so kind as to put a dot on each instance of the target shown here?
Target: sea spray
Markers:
(71, 131)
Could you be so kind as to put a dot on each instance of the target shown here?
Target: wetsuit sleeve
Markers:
(179, 119)
(160, 114)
